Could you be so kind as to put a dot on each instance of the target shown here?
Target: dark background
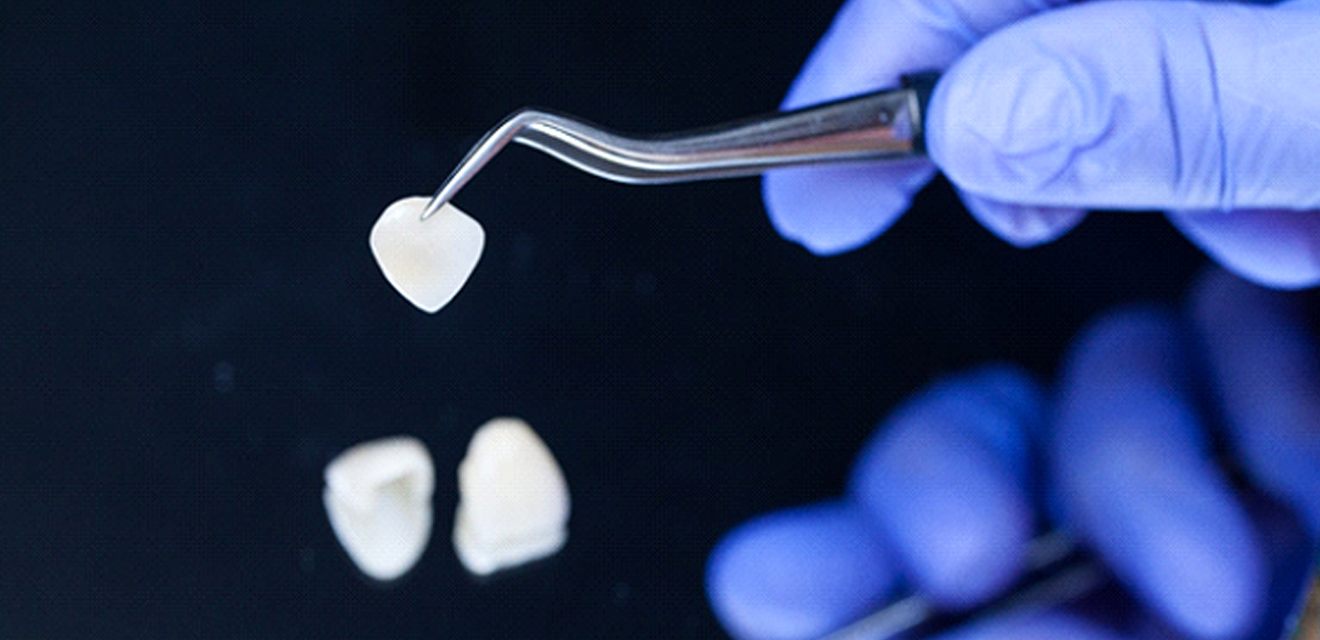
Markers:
(193, 324)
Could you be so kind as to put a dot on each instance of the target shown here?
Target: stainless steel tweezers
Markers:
(875, 126)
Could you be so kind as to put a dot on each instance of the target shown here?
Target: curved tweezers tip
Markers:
(480, 155)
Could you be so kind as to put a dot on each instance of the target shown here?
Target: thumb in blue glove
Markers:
(1204, 110)
(1197, 108)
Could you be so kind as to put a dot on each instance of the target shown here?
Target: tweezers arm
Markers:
(874, 126)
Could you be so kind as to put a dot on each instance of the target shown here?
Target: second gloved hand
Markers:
(957, 480)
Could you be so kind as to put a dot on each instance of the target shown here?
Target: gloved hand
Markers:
(955, 483)
(1206, 110)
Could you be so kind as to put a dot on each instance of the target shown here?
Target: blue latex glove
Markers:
(943, 498)
(1206, 110)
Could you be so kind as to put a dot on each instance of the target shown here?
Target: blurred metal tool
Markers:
(1057, 572)
(875, 126)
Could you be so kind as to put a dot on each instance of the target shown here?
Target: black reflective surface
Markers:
(193, 324)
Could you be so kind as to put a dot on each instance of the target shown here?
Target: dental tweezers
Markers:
(882, 125)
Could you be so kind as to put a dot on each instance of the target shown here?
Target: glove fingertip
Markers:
(942, 481)
(832, 210)
(798, 573)
(1129, 455)
(1274, 248)
(1264, 369)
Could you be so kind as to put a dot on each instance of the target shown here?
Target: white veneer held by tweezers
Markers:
(378, 497)
(513, 500)
(427, 262)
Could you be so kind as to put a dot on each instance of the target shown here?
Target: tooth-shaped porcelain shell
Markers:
(427, 261)
(513, 500)
(378, 497)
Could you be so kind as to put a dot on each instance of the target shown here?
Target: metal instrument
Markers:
(875, 126)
